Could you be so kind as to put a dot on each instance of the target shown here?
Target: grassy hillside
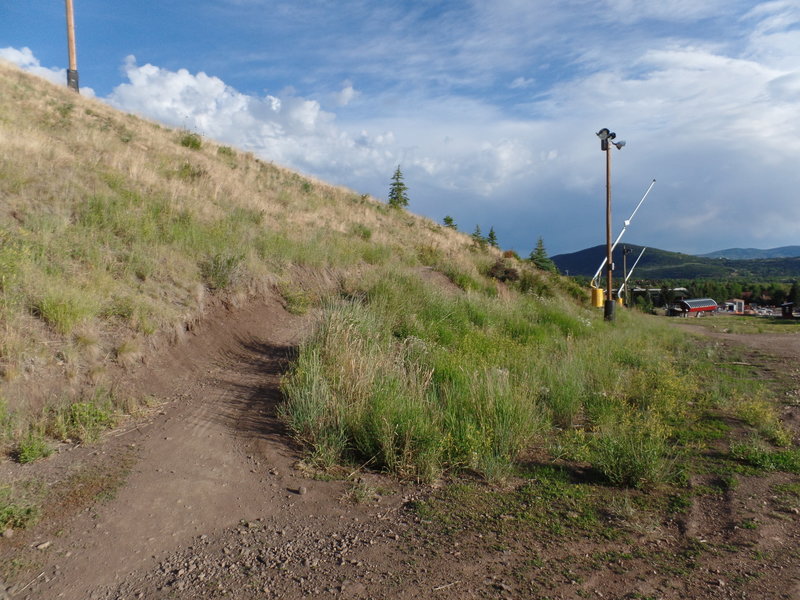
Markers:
(116, 232)
(662, 264)
(113, 229)
(748, 253)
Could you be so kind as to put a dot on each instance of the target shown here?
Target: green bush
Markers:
(361, 231)
(191, 140)
(13, 513)
(32, 447)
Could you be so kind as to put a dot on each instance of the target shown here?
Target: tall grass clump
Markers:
(418, 380)
(632, 452)
(415, 381)
(382, 385)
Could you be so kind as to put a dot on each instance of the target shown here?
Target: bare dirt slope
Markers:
(215, 506)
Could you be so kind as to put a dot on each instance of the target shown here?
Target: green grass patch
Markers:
(753, 454)
(64, 309)
(31, 448)
(632, 453)
(15, 512)
(548, 504)
(415, 381)
(82, 421)
(221, 271)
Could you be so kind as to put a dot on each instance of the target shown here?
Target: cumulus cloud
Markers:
(289, 129)
(347, 94)
(25, 60)
(298, 132)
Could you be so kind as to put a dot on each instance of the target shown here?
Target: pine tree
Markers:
(398, 198)
(477, 237)
(449, 222)
(794, 294)
(540, 259)
(492, 238)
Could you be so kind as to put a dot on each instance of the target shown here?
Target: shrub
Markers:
(13, 513)
(503, 271)
(191, 140)
(32, 447)
(361, 231)
(189, 172)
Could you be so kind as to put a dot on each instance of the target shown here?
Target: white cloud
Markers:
(287, 128)
(25, 60)
(347, 94)
(521, 82)
(667, 10)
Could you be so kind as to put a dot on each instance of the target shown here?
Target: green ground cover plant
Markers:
(755, 454)
(32, 447)
(15, 513)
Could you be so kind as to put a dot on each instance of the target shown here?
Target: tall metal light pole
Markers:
(607, 136)
(72, 72)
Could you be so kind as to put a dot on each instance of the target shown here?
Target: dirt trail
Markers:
(215, 506)
(781, 345)
(214, 455)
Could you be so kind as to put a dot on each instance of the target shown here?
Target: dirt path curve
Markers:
(213, 456)
(782, 345)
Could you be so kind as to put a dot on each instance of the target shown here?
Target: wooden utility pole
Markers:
(609, 303)
(606, 141)
(72, 72)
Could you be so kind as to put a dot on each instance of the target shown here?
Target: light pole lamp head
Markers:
(604, 134)
(619, 144)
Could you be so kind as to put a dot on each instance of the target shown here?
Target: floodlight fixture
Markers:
(619, 144)
(605, 135)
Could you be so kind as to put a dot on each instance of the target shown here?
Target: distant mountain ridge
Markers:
(662, 264)
(751, 253)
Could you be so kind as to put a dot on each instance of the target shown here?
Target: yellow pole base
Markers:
(597, 297)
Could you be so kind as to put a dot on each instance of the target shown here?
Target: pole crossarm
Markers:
(594, 281)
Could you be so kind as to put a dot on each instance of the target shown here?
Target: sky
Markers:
(489, 107)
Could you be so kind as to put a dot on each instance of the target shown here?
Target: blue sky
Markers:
(490, 107)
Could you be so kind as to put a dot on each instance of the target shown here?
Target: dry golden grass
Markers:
(112, 230)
